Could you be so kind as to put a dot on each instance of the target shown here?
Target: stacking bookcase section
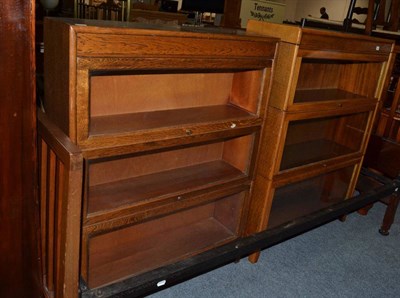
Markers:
(122, 186)
(141, 86)
(315, 137)
(168, 122)
(294, 200)
(158, 242)
(324, 95)
(335, 83)
(179, 103)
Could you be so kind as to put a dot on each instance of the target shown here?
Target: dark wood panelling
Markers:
(232, 13)
(18, 247)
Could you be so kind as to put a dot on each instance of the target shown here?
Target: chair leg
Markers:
(364, 210)
(389, 214)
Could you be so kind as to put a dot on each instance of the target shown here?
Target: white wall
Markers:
(298, 9)
(336, 9)
(291, 8)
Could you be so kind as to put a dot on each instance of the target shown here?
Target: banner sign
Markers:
(261, 10)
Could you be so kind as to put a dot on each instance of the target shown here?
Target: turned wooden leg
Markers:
(364, 211)
(389, 214)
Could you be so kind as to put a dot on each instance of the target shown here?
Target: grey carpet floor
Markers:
(339, 259)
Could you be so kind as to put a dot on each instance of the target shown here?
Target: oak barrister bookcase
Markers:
(324, 96)
(162, 145)
(148, 145)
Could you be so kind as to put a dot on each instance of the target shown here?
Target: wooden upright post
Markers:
(18, 246)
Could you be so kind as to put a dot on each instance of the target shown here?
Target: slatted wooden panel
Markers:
(60, 169)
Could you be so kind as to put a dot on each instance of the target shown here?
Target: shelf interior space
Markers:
(302, 198)
(314, 140)
(142, 100)
(329, 80)
(139, 178)
(366, 183)
(162, 241)
(382, 155)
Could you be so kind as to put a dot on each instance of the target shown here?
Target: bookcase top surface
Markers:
(99, 26)
(295, 34)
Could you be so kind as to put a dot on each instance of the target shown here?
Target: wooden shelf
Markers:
(150, 253)
(308, 152)
(124, 123)
(131, 191)
(314, 95)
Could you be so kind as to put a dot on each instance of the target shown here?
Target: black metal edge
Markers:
(164, 277)
(378, 177)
